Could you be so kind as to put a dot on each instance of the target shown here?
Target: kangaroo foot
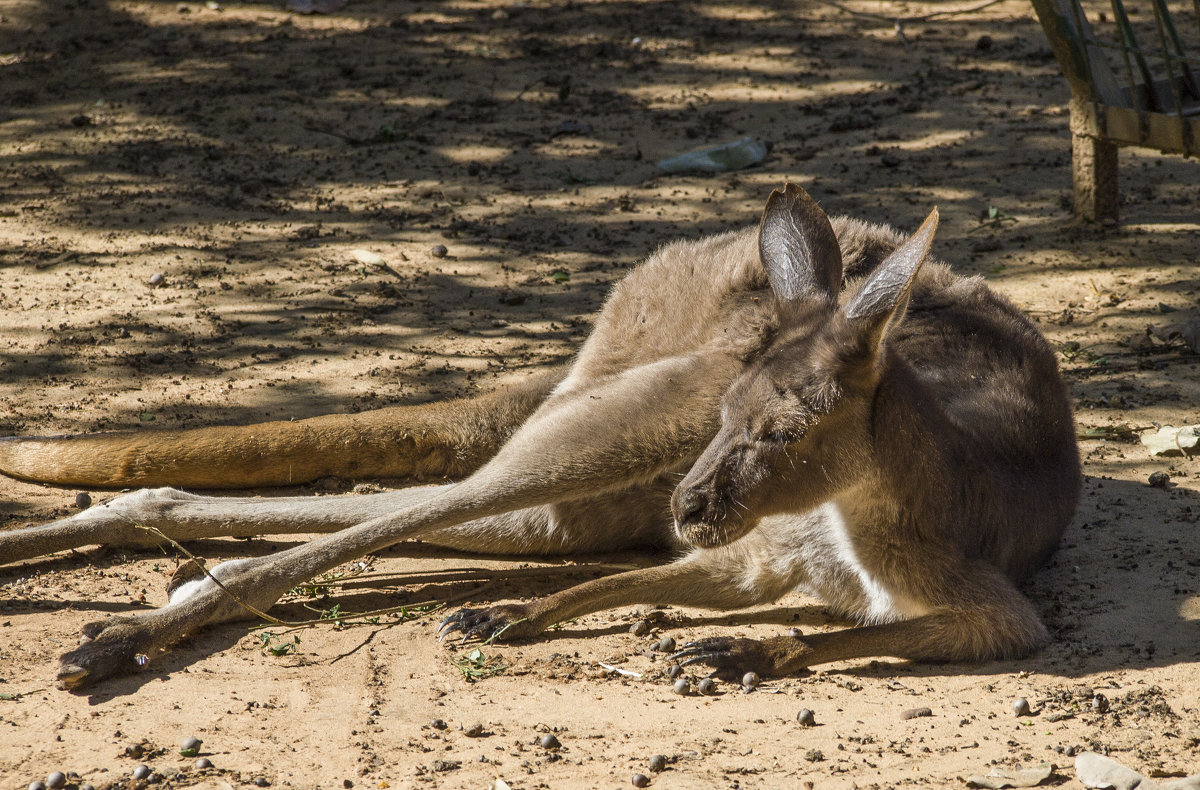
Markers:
(733, 656)
(121, 645)
(505, 622)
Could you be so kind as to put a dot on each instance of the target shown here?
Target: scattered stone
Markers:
(474, 168)
(983, 43)
(56, 780)
(641, 780)
(1021, 707)
(38, 785)
(641, 627)
(1094, 770)
(706, 686)
(86, 787)
(674, 671)
(658, 763)
(441, 766)
(1159, 480)
(1100, 703)
(439, 251)
(156, 280)
(83, 500)
(806, 718)
(666, 644)
(141, 772)
(438, 724)
(190, 746)
(474, 731)
(916, 713)
(81, 120)
(814, 755)
(261, 781)
(203, 764)
(750, 681)
(550, 741)
(682, 687)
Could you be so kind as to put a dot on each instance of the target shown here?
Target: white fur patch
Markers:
(192, 588)
(882, 606)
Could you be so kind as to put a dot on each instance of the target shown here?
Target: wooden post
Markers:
(1093, 165)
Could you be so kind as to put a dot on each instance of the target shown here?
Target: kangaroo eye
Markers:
(779, 437)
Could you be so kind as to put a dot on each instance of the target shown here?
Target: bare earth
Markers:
(243, 152)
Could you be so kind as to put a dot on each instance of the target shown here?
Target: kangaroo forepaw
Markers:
(108, 648)
(492, 623)
(732, 656)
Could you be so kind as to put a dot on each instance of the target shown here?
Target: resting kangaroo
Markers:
(883, 434)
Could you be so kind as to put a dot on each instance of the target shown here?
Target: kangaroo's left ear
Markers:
(798, 247)
(883, 298)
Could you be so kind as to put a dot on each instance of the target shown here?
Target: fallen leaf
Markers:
(1171, 441)
(999, 778)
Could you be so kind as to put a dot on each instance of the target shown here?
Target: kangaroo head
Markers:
(795, 425)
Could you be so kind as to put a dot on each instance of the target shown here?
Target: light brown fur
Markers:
(907, 468)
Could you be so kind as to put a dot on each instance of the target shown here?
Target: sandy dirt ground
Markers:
(243, 152)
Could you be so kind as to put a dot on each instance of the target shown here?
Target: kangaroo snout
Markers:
(705, 515)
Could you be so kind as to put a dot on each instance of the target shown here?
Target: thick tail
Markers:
(433, 440)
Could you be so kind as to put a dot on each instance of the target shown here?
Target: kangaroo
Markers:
(847, 419)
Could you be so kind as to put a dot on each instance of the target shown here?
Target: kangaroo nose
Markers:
(689, 505)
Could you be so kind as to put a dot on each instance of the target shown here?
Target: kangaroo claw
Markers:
(487, 624)
(731, 656)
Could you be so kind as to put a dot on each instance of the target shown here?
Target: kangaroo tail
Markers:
(432, 440)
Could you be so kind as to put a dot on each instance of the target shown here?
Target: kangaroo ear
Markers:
(885, 295)
(798, 247)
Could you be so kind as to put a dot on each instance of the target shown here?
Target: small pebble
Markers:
(674, 671)
(439, 251)
(983, 43)
(1021, 706)
(916, 713)
(1099, 703)
(203, 764)
(122, 332)
(806, 718)
(682, 687)
(56, 780)
(1159, 480)
(640, 628)
(658, 763)
(795, 633)
(550, 741)
(190, 746)
(814, 755)
(706, 686)
(438, 724)
(261, 781)
(641, 780)
(38, 785)
(81, 120)
(86, 787)
(83, 500)
(157, 279)
(474, 168)
(750, 681)
(141, 772)
(474, 731)
(666, 644)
